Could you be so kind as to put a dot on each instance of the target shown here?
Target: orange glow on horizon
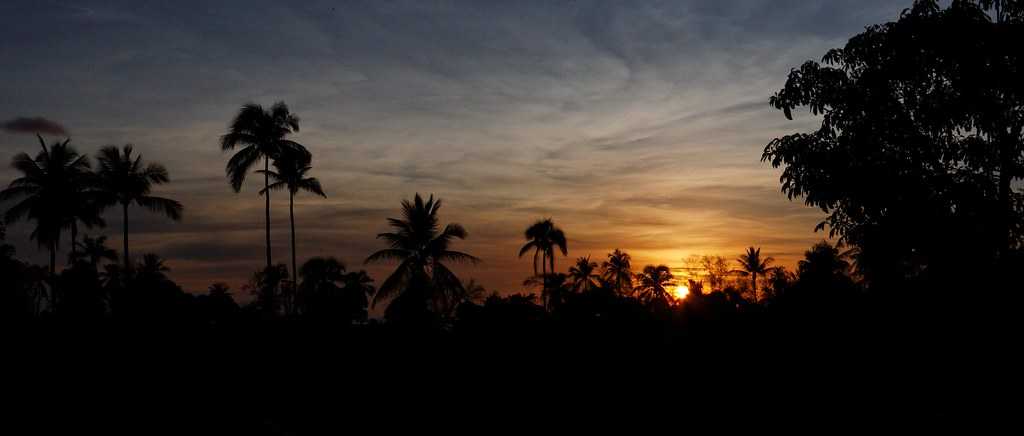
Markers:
(680, 292)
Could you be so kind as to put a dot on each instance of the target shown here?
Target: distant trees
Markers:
(94, 251)
(422, 248)
(330, 293)
(124, 180)
(260, 134)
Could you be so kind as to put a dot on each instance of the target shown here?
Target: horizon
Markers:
(633, 126)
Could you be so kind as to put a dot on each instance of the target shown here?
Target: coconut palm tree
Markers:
(49, 190)
(152, 268)
(125, 179)
(654, 283)
(584, 275)
(94, 250)
(752, 264)
(618, 272)
(421, 247)
(542, 237)
(259, 134)
(292, 169)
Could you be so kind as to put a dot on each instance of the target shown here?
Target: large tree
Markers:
(920, 135)
(422, 248)
(584, 275)
(260, 134)
(126, 180)
(292, 173)
(618, 272)
(543, 237)
(49, 191)
(753, 264)
(654, 284)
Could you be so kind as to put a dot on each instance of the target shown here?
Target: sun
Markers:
(680, 292)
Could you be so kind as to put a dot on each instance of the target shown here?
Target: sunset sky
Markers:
(633, 124)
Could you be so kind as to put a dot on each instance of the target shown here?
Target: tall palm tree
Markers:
(654, 282)
(584, 275)
(617, 271)
(421, 247)
(94, 250)
(543, 237)
(49, 187)
(260, 134)
(125, 180)
(292, 169)
(752, 264)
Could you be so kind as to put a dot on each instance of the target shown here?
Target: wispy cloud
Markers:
(634, 124)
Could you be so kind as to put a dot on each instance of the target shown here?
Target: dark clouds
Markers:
(634, 124)
(33, 125)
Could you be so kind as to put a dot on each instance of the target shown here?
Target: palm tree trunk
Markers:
(753, 284)
(1005, 189)
(266, 185)
(53, 276)
(124, 237)
(544, 279)
(295, 272)
(74, 240)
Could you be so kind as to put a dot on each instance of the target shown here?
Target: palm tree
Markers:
(152, 268)
(49, 189)
(654, 282)
(292, 169)
(617, 271)
(542, 237)
(94, 250)
(554, 288)
(125, 180)
(752, 264)
(583, 275)
(260, 134)
(421, 247)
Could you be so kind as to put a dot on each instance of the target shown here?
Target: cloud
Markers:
(33, 125)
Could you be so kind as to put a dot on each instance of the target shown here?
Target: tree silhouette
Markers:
(617, 271)
(653, 284)
(752, 264)
(554, 288)
(151, 268)
(930, 107)
(584, 275)
(125, 180)
(421, 248)
(543, 237)
(94, 251)
(292, 170)
(328, 291)
(48, 189)
(260, 134)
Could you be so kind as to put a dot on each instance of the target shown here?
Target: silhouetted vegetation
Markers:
(914, 166)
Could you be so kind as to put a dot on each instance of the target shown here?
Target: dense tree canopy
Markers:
(920, 136)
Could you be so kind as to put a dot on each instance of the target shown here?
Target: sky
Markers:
(636, 125)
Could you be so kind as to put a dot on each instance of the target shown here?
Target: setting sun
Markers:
(680, 292)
